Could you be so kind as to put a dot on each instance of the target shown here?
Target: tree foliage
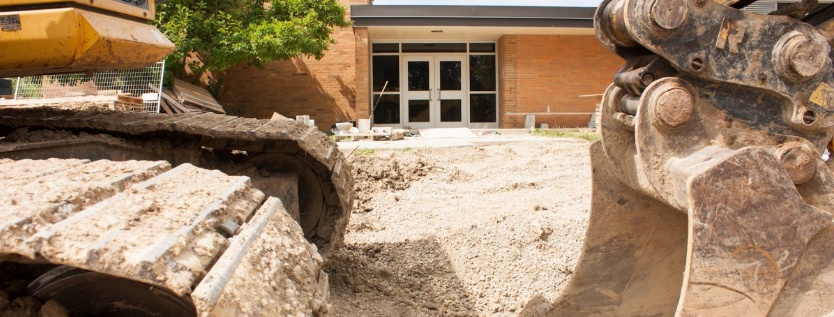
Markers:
(224, 33)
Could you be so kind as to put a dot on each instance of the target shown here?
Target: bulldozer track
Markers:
(122, 218)
(186, 238)
(228, 143)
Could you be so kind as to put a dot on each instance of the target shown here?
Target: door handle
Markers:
(431, 93)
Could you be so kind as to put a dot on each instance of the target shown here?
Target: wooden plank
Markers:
(128, 106)
(164, 105)
(197, 96)
(189, 107)
(176, 106)
(129, 99)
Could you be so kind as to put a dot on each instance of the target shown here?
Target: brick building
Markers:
(445, 66)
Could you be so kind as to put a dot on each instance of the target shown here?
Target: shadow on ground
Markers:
(391, 279)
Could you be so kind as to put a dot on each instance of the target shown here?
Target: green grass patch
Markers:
(582, 134)
(365, 152)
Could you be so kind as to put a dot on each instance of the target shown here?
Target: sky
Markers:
(542, 3)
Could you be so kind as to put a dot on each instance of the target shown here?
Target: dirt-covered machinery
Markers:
(139, 214)
(711, 196)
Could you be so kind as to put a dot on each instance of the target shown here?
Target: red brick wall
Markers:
(327, 89)
(534, 71)
(363, 73)
(540, 70)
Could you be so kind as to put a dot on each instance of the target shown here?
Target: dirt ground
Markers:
(489, 230)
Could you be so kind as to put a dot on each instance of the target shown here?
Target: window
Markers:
(482, 47)
(450, 111)
(386, 85)
(450, 75)
(482, 73)
(483, 89)
(386, 69)
(434, 47)
(418, 111)
(482, 108)
(418, 76)
(387, 109)
(386, 48)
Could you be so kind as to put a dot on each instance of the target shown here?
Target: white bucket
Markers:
(305, 119)
(364, 125)
(529, 121)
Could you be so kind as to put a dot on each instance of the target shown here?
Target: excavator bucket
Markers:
(67, 39)
(730, 253)
(710, 193)
(634, 254)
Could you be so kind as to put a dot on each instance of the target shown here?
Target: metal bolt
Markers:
(800, 57)
(696, 64)
(669, 14)
(809, 117)
(673, 106)
(800, 162)
(647, 78)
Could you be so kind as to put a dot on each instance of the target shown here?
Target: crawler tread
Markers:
(153, 224)
(218, 132)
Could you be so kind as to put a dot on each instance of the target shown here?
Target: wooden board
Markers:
(196, 96)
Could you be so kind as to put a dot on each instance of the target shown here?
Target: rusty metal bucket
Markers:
(709, 231)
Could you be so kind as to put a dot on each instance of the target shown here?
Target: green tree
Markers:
(224, 33)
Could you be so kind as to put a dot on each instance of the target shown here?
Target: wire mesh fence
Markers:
(131, 90)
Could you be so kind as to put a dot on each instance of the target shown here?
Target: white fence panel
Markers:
(135, 90)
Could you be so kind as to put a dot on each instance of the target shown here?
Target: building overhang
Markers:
(459, 33)
(486, 16)
(484, 23)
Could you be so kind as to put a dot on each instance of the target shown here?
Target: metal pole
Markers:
(16, 88)
(378, 99)
(159, 90)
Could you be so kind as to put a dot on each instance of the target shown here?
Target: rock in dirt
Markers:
(53, 308)
(22, 307)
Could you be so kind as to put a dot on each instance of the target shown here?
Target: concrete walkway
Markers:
(514, 135)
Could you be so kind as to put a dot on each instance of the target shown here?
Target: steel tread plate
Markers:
(43, 192)
(161, 229)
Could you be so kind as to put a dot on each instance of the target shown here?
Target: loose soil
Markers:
(489, 230)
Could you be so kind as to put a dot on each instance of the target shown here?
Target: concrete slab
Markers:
(421, 142)
(446, 133)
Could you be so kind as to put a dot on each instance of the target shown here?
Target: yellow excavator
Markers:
(55, 36)
(711, 196)
(140, 214)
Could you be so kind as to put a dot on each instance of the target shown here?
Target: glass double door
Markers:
(434, 94)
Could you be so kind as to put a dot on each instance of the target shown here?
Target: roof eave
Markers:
(370, 15)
